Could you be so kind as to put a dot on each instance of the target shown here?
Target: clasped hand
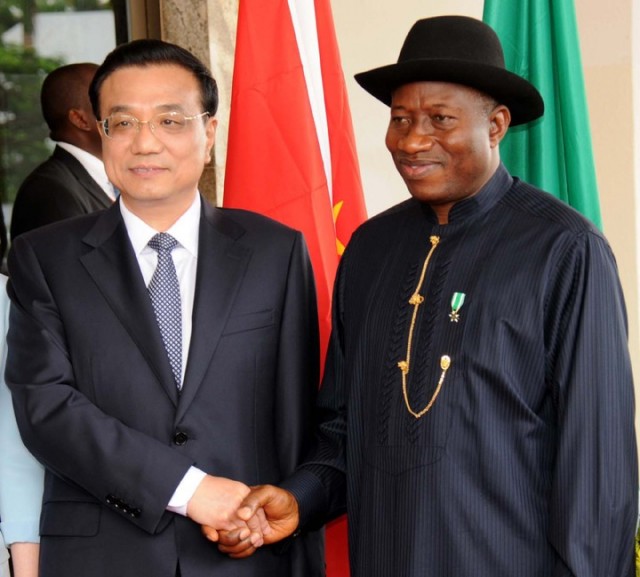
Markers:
(265, 515)
(215, 504)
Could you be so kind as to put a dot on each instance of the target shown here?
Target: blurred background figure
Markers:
(72, 181)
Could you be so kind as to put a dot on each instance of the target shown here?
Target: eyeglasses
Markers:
(120, 126)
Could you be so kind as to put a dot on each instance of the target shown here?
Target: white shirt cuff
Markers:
(187, 487)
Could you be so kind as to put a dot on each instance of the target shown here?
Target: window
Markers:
(37, 36)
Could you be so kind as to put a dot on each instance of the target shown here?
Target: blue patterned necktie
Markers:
(164, 291)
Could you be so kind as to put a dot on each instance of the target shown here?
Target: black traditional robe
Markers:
(525, 465)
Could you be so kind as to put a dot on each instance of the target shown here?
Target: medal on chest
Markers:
(457, 300)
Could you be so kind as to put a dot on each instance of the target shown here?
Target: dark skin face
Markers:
(444, 139)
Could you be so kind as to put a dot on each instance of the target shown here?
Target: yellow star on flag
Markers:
(336, 212)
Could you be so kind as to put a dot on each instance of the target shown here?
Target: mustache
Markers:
(419, 158)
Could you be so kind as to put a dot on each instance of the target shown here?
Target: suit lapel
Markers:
(114, 268)
(222, 262)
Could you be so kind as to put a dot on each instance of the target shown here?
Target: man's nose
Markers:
(419, 137)
(145, 139)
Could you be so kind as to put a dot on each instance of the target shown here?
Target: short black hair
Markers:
(63, 89)
(149, 52)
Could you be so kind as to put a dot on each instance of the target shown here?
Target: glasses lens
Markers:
(119, 125)
(170, 122)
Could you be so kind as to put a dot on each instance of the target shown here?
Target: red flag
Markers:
(291, 151)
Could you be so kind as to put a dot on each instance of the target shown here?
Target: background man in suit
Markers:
(143, 412)
(72, 181)
(476, 414)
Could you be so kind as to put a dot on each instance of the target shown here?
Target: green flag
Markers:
(540, 41)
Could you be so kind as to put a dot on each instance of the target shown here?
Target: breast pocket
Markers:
(248, 322)
(411, 443)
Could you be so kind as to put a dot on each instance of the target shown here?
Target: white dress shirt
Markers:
(186, 231)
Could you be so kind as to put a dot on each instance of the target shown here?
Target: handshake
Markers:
(239, 518)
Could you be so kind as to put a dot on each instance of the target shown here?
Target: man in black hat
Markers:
(477, 412)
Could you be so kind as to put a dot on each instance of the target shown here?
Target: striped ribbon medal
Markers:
(457, 300)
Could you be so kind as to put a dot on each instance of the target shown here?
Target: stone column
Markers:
(185, 22)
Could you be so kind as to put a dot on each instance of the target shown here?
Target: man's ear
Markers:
(80, 120)
(210, 132)
(499, 120)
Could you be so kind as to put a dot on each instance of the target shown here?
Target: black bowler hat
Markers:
(460, 50)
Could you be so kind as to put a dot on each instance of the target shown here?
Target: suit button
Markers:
(135, 513)
(180, 438)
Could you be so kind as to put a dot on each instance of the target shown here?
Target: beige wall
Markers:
(607, 53)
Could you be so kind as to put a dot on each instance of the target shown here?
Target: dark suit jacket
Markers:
(59, 188)
(97, 403)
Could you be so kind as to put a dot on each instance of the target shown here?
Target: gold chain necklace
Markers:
(445, 361)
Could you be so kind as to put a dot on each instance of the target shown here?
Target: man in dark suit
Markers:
(143, 411)
(72, 181)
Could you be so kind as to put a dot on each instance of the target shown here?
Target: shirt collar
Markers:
(185, 230)
(481, 202)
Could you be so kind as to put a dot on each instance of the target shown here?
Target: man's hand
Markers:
(281, 510)
(215, 503)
